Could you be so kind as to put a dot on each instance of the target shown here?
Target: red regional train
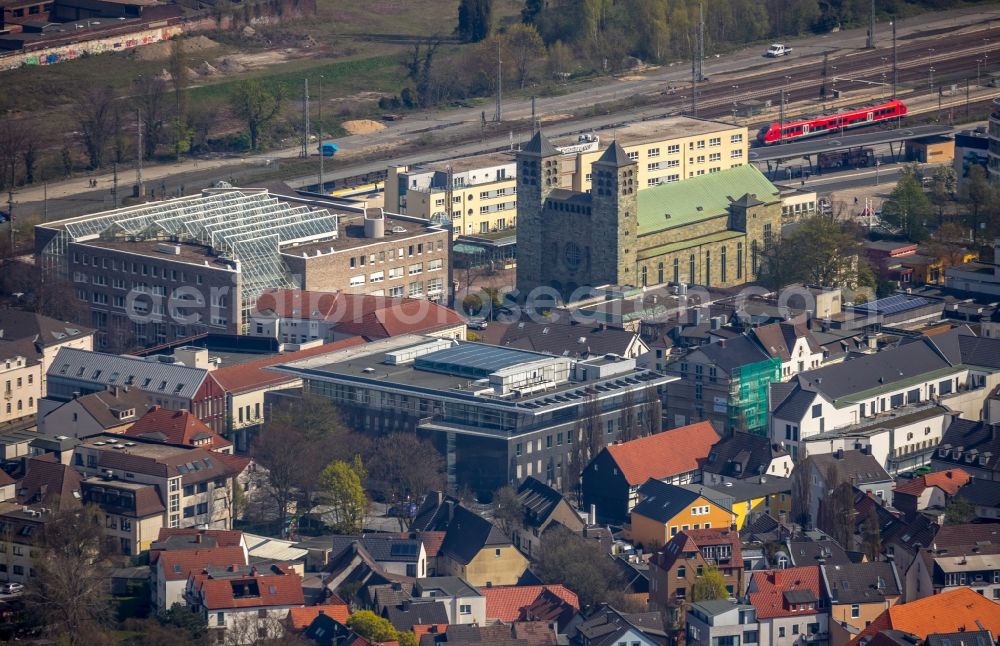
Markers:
(795, 130)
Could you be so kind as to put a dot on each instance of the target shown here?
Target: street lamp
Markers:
(979, 63)
(930, 73)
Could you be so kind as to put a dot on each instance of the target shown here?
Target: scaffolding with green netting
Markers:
(748, 395)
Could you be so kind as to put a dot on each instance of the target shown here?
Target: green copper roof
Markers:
(653, 252)
(711, 192)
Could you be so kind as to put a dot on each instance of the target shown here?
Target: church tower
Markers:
(537, 176)
(614, 219)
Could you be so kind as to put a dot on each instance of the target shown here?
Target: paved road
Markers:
(74, 196)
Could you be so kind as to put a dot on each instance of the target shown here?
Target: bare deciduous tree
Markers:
(151, 101)
(95, 117)
(68, 595)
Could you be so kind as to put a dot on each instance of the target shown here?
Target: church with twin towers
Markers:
(709, 228)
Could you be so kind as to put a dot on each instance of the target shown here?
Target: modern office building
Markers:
(497, 414)
(163, 271)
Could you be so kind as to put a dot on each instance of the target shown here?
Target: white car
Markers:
(778, 49)
(11, 588)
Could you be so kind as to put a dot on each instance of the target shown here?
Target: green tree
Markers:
(959, 512)
(821, 251)
(709, 586)
(370, 626)
(407, 638)
(475, 20)
(524, 52)
(257, 106)
(871, 535)
(908, 207)
(341, 488)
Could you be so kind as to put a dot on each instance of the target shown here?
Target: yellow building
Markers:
(755, 496)
(665, 510)
(483, 194)
(476, 550)
(484, 191)
(860, 592)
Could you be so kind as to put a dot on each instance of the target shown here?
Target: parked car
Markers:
(477, 323)
(402, 510)
(12, 588)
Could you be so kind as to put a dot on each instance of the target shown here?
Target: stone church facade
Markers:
(708, 230)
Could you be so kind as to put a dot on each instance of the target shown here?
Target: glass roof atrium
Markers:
(249, 228)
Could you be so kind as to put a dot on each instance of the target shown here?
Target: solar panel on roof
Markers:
(469, 360)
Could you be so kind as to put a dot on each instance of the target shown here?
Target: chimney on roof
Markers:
(197, 538)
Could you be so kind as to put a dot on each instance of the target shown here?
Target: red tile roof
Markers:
(956, 610)
(665, 454)
(5, 479)
(694, 540)
(179, 564)
(284, 589)
(300, 618)
(432, 542)
(505, 603)
(949, 481)
(252, 375)
(176, 427)
(768, 590)
(373, 317)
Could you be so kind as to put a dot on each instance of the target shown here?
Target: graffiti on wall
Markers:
(116, 43)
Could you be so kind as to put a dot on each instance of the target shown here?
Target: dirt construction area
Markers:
(362, 126)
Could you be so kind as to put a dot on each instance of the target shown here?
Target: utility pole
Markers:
(319, 132)
(822, 87)
(10, 213)
(701, 41)
(895, 75)
(306, 130)
(871, 27)
(139, 191)
(781, 117)
(499, 115)
(694, 81)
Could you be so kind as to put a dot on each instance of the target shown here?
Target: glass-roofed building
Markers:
(161, 271)
(497, 414)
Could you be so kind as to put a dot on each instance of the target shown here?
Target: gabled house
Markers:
(49, 484)
(172, 568)
(244, 604)
(742, 456)
(106, 411)
(178, 427)
(676, 568)
(394, 554)
(510, 603)
(791, 606)
(667, 510)
(930, 490)
(552, 609)
(951, 611)
(416, 612)
(542, 506)
(476, 550)
(815, 552)
(902, 539)
(299, 619)
(611, 481)
(858, 593)
(463, 603)
(606, 626)
(752, 497)
(793, 343)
